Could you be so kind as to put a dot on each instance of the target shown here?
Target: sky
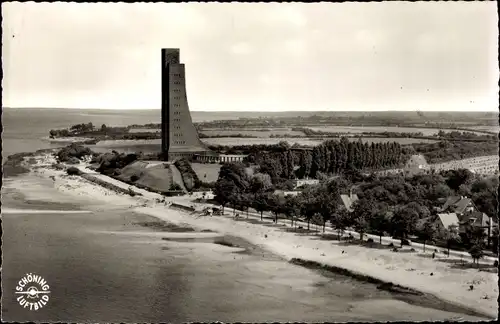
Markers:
(254, 57)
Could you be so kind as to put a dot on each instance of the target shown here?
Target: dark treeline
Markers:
(330, 157)
(252, 148)
(103, 133)
(453, 135)
(310, 132)
(134, 136)
(150, 125)
(87, 130)
(313, 133)
(467, 135)
(435, 152)
(189, 177)
(287, 136)
(202, 135)
(397, 118)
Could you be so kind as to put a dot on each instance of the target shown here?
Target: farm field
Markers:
(207, 172)
(480, 164)
(127, 146)
(119, 143)
(492, 128)
(307, 141)
(485, 165)
(144, 130)
(251, 132)
(377, 129)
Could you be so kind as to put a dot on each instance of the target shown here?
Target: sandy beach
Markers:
(437, 277)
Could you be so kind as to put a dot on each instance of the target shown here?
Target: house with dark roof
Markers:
(443, 221)
(477, 219)
(458, 205)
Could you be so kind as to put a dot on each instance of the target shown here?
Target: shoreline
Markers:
(286, 245)
(408, 295)
(413, 294)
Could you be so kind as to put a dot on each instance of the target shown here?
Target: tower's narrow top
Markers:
(170, 55)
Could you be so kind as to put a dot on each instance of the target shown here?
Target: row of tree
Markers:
(331, 157)
(434, 152)
(393, 205)
(189, 177)
(399, 119)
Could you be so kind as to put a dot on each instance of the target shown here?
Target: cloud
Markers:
(269, 79)
(241, 48)
(245, 55)
(296, 46)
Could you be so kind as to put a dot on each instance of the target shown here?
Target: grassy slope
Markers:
(211, 170)
(156, 177)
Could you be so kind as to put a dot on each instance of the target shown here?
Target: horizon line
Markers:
(266, 111)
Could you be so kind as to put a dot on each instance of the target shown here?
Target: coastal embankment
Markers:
(413, 275)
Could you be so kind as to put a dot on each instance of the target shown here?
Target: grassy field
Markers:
(156, 177)
(486, 165)
(480, 164)
(330, 128)
(251, 132)
(231, 141)
(377, 129)
(144, 130)
(210, 170)
(486, 128)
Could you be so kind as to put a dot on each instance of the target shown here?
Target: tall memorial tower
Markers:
(179, 136)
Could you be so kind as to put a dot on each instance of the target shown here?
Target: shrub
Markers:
(73, 160)
(110, 162)
(222, 241)
(283, 184)
(476, 252)
(73, 151)
(175, 187)
(58, 166)
(206, 185)
(73, 171)
(406, 242)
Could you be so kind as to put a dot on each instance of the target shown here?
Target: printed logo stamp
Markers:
(33, 292)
